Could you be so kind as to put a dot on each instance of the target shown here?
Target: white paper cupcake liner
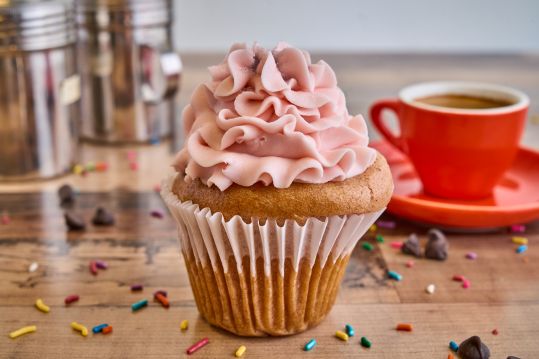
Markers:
(262, 278)
(211, 238)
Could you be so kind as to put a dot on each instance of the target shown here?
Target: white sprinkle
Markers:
(430, 288)
(33, 267)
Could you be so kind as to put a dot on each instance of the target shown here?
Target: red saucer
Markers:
(515, 199)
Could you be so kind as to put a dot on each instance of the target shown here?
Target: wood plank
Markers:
(154, 332)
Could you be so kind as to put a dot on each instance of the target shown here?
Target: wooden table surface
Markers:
(504, 291)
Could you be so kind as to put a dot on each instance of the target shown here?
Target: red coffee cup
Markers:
(458, 153)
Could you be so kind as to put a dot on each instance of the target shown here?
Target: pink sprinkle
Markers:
(131, 155)
(471, 255)
(518, 228)
(386, 224)
(458, 278)
(397, 245)
(137, 287)
(93, 267)
(101, 264)
(133, 166)
(157, 214)
(5, 218)
(466, 284)
(410, 264)
(157, 188)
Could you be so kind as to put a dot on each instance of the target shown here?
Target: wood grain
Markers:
(142, 249)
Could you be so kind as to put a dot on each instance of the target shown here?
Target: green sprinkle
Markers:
(138, 305)
(365, 342)
(367, 246)
(379, 238)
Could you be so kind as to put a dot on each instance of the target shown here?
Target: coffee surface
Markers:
(463, 101)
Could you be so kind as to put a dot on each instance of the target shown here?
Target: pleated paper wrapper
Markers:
(264, 278)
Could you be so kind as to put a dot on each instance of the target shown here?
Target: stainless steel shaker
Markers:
(130, 73)
(39, 88)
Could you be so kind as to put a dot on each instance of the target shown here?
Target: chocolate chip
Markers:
(512, 357)
(67, 195)
(74, 222)
(437, 246)
(473, 348)
(102, 217)
(411, 246)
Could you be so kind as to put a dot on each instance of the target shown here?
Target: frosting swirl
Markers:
(272, 117)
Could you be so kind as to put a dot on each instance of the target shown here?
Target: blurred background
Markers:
(376, 46)
(484, 26)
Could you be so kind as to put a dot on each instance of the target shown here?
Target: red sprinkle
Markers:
(193, 348)
(133, 166)
(106, 330)
(156, 214)
(458, 278)
(406, 327)
(93, 267)
(466, 284)
(101, 166)
(162, 299)
(137, 287)
(495, 331)
(71, 298)
(101, 264)
(410, 264)
(162, 292)
(397, 245)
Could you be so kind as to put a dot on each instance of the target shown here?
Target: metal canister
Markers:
(130, 73)
(39, 88)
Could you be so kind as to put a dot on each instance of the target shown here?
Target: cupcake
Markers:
(274, 187)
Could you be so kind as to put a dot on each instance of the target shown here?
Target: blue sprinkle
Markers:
(309, 345)
(99, 328)
(453, 346)
(521, 249)
(394, 275)
(349, 330)
(138, 305)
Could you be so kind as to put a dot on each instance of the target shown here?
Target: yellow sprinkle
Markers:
(240, 351)
(184, 324)
(373, 228)
(78, 169)
(341, 335)
(22, 331)
(42, 306)
(79, 327)
(520, 240)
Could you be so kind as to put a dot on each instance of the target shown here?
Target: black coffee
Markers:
(463, 101)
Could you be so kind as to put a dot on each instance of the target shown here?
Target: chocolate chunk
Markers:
(512, 357)
(67, 195)
(473, 348)
(411, 246)
(74, 222)
(437, 246)
(102, 217)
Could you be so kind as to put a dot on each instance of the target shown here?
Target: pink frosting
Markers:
(272, 117)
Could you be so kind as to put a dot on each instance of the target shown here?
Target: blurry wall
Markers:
(361, 25)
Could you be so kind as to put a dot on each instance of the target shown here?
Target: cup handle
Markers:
(376, 117)
(160, 76)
